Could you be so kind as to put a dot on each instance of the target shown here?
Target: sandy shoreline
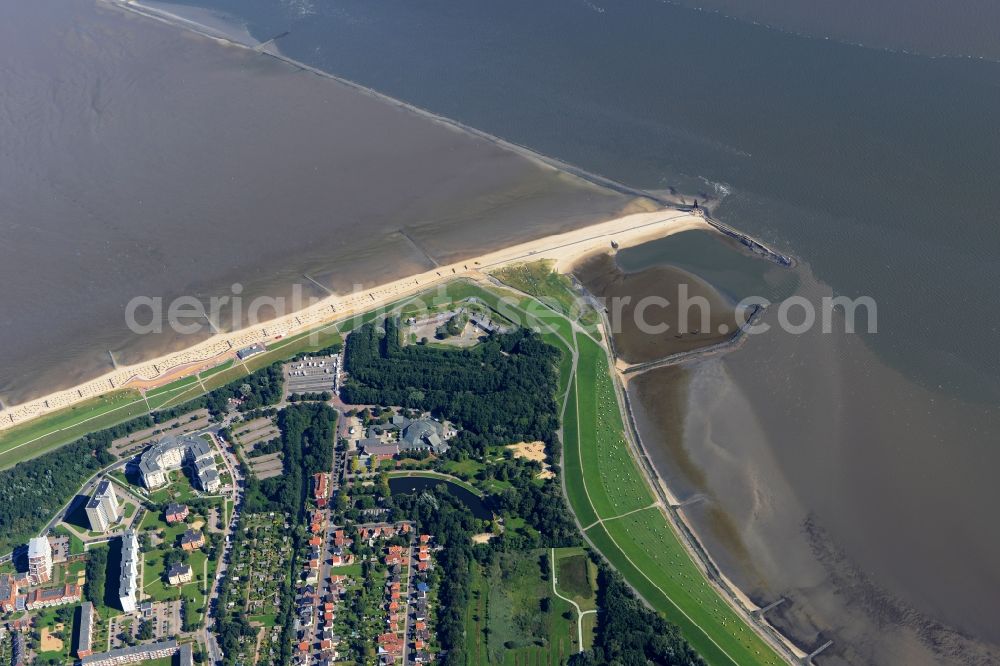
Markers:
(563, 249)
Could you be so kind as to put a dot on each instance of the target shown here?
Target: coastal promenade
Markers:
(563, 249)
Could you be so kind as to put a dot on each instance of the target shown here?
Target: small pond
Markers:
(408, 485)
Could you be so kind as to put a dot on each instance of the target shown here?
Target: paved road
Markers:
(236, 495)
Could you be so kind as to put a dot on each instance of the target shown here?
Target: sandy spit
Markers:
(563, 249)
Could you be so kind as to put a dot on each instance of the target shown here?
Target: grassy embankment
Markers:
(610, 497)
(603, 480)
(48, 432)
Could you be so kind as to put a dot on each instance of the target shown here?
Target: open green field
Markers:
(154, 584)
(476, 613)
(576, 577)
(526, 621)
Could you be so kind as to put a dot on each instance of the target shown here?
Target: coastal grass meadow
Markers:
(537, 279)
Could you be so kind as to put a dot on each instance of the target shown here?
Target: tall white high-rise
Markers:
(39, 560)
(127, 583)
(102, 509)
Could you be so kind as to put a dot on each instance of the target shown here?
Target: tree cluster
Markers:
(500, 391)
(452, 524)
(630, 633)
(307, 432)
(96, 576)
(32, 491)
(257, 390)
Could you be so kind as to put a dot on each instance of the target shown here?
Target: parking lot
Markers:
(313, 374)
(164, 616)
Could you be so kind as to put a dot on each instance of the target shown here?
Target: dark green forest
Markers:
(307, 432)
(500, 391)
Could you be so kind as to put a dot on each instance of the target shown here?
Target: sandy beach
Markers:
(563, 249)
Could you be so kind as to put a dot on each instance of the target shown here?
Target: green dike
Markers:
(641, 545)
(216, 370)
(38, 436)
(698, 638)
(172, 393)
(172, 387)
(614, 483)
(652, 546)
(572, 468)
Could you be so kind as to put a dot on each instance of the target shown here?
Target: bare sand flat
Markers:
(50, 643)
(533, 451)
